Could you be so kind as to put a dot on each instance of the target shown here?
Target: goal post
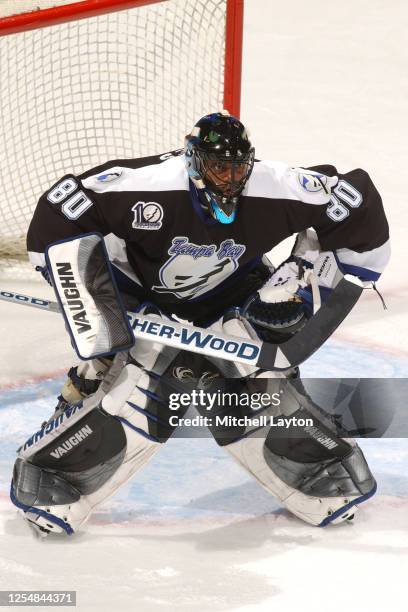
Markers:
(85, 81)
(234, 33)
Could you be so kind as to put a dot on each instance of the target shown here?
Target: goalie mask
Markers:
(219, 159)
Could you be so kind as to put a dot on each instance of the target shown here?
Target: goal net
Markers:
(116, 80)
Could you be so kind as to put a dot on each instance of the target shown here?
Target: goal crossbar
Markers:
(73, 11)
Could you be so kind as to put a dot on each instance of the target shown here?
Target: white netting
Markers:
(121, 85)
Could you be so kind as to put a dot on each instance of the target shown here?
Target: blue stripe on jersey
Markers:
(363, 273)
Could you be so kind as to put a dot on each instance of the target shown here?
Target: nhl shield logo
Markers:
(148, 216)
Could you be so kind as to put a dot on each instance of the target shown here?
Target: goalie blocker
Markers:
(88, 297)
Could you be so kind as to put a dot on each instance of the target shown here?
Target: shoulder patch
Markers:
(312, 183)
(107, 180)
(111, 175)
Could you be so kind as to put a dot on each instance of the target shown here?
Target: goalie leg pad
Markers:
(318, 476)
(58, 477)
(95, 456)
(35, 486)
(88, 453)
(72, 496)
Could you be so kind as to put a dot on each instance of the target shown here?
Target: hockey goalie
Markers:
(182, 237)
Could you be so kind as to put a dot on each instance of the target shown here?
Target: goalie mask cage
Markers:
(86, 81)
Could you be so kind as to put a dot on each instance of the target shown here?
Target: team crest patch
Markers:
(108, 177)
(194, 269)
(148, 216)
(312, 182)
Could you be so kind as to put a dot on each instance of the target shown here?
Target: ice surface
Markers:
(323, 82)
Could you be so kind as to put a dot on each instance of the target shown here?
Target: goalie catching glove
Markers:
(294, 292)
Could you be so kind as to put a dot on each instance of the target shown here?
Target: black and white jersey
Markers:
(161, 240)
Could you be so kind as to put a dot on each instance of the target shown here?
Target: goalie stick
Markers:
(259, 354)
